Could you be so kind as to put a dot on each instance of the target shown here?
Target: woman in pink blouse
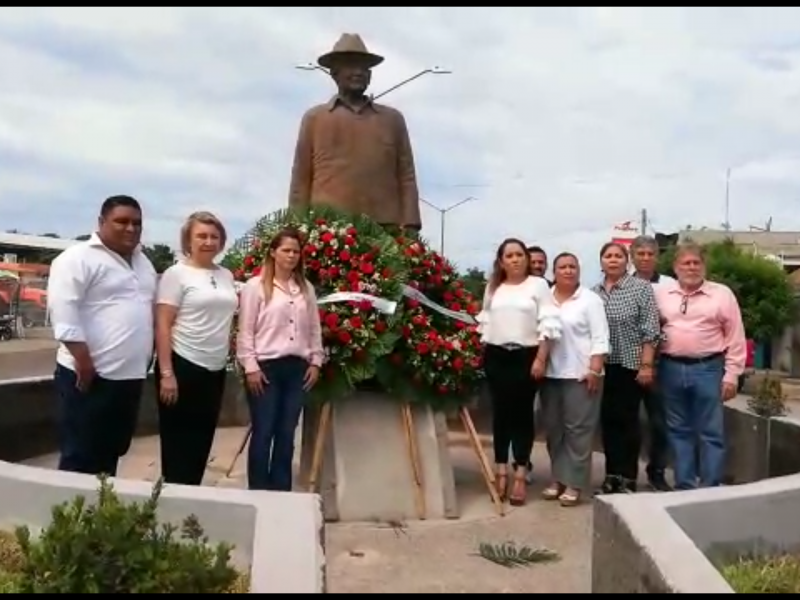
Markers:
(279, 346)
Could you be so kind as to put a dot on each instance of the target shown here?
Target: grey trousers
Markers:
(570, 416)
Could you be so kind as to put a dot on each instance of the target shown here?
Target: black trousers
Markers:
(620, 423)
(513, 392)
(657, 426)
(95, 427)
(187, 427)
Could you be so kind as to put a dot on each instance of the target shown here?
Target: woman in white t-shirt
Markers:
(517, 321)
(195, 307)
(572, 392)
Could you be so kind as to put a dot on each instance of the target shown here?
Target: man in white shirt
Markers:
(644, 252)
(101, 295)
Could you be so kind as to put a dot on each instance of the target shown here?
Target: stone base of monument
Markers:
(367, 470)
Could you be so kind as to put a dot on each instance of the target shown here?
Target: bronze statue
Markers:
(352, 153)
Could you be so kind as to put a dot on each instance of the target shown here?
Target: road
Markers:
(32, 357)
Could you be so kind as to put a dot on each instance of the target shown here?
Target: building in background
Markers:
(781, 246)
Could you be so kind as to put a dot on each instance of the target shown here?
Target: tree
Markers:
(762, 287)
(161, 255)
(475, 281)
(83, 237)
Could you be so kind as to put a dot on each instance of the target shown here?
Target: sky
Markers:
(560, 122)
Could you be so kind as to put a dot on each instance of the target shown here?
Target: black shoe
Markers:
(612, 485)
(629, 486)
(658, 483)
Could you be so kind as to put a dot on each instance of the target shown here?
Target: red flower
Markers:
(423, 348)
(367, 268)
(349, 241)
(257, 271)
(355, 322)
(344, 256)
(331, 320)
(380, 326)
(345, 337)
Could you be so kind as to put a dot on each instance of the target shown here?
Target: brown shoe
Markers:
(519, 493)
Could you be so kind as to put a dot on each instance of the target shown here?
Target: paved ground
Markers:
(432, 556)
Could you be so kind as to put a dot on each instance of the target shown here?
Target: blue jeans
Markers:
(96, 427)
(274, 416)
(692, 396)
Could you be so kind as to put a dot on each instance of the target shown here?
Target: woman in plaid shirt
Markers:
(635, 332)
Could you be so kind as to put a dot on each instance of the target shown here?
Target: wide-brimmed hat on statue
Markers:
(349, 45)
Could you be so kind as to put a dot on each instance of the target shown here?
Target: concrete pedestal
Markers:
(367, 473)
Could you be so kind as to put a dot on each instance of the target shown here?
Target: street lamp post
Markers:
(443, 216)
(431, 71)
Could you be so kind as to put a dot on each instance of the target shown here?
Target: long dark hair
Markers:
(498, 275)
(268, 269)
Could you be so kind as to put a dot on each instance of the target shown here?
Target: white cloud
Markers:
(570, 119)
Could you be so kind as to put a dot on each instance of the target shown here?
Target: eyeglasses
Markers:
(684, 305)
(213, 282)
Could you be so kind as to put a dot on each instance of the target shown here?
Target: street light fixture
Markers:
(443, 216)
(431, 71)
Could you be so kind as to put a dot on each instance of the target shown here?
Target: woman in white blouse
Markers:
(195, 307)
(515, 325)
(571, 394)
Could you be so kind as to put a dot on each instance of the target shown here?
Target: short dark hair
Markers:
(536, 249)
(113, 202)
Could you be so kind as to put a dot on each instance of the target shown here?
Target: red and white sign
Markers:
(624, 233)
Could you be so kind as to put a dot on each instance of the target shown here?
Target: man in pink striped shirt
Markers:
(701, 360)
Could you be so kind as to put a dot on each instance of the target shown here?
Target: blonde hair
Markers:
(268, 268)
(690, 248)
(204, 218)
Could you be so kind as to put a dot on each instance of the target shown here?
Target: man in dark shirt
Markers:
(644, 252)
(538, 261)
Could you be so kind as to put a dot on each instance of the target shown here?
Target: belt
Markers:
(511, 347)
(692, 360)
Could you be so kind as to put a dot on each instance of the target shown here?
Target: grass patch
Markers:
(767, 575)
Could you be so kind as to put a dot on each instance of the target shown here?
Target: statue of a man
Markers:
(352, 153)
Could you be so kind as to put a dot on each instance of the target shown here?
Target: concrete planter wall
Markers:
(669, 543)
(279, 537)
(760, 448)
(28, 415)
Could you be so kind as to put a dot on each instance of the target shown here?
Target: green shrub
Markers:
(768, 400)
(117, 547)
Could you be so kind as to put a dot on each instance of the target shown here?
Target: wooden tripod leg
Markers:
(240, 451)
(413, 452)
(319, 446)
(486, 468)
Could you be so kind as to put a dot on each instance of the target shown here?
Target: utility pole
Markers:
(443, 216)
(727, 224)
(643, 230)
